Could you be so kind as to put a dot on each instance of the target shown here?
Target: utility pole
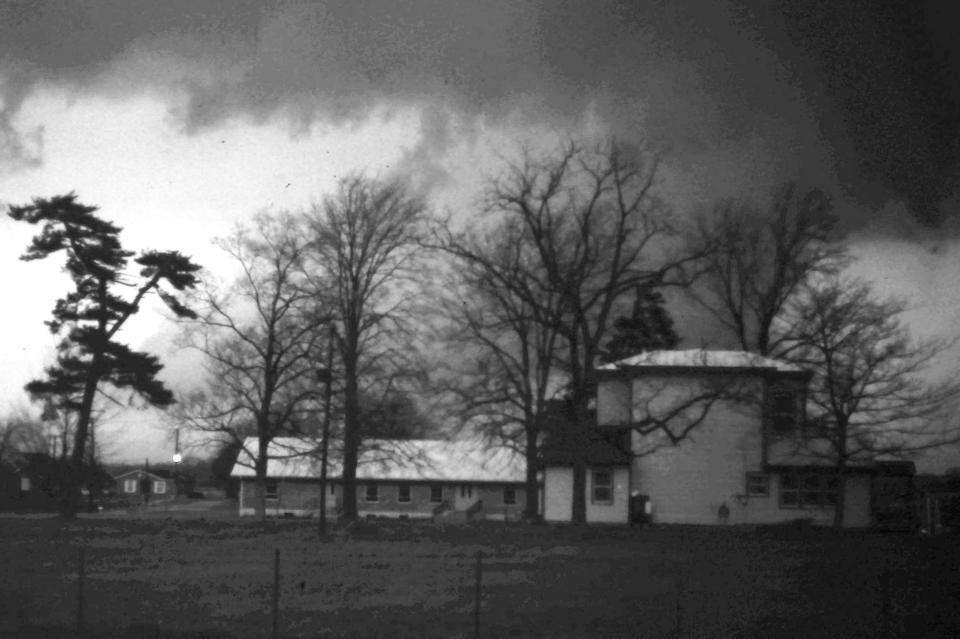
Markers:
(326, 375)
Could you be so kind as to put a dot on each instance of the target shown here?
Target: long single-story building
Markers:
(415, 479)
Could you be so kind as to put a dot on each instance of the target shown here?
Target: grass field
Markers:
(194, 578)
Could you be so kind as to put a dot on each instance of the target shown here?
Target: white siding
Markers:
(557, 493)
(619, 511)
(767, 510)
(688, 483)
(558, 496)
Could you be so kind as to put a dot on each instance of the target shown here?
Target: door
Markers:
(466, 496)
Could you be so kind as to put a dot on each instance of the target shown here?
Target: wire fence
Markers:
(188, 582)
(82, 629)
(684, 609)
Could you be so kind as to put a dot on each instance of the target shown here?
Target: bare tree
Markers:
(757, 260)
(503, 387)
(871, 393)
(261, 343)
(361, 266)
(593, 230)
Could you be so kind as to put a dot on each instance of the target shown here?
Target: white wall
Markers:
(558, 496)
(557, 493)
(619, 511)
(688, 482)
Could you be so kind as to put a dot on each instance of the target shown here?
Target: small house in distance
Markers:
(732, 450)
(147, 485)
(407, 479)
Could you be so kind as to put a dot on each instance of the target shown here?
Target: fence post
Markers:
(476, 597)
(81, 576)
(276, 593)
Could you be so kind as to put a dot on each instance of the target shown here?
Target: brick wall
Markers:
(301, 498)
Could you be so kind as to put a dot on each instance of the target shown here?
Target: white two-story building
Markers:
(713, 437)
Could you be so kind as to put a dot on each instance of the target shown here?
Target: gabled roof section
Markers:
(391, 460)
(139, 472)
(699, 358)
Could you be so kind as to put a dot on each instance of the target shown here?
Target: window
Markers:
(272, 489)
(436, 494)
(602, 487)
(371, 493)
(808, 490)
(466, 490)
(758, 485)
(403, 494)
(784, 405)
(509, 495)
(129, 485)
(159, 487)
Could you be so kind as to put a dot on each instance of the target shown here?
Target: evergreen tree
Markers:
(648, 328)
(89, 317)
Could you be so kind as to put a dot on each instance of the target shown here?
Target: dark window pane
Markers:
(436, 494)
(789, 482)
(783, 403)
(403, 494)
(602, 487)
(758, 484)
(789, 498)
(272, 489)
(602, 495)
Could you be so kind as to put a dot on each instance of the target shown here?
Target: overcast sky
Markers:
(179, 118)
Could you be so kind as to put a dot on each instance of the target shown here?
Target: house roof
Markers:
(701, 358)
(396, 460)
(597, 447)
(139, 472)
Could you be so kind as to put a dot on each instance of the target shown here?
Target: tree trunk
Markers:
(351, 434)
(579, 507)
(532, 508)
(838, 515)
(260, 485)
(578, 428)
(70, 498)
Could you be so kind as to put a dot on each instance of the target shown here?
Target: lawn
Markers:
(194, 578)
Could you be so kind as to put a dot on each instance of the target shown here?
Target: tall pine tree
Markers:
(89, 317)
(648, 328)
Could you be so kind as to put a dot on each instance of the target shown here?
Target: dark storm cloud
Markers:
(838, 95)
(886, 75)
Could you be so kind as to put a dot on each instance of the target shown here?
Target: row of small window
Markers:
(131, 486)
(797, 490)
(372, 493)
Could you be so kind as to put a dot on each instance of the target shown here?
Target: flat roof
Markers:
(701, 358)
